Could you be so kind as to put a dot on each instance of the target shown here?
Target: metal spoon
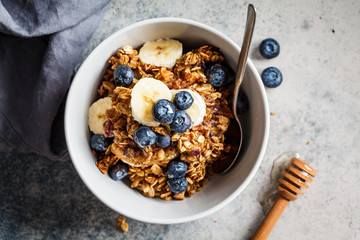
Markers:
(235, 130)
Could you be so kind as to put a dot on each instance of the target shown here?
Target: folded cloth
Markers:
(41, 42)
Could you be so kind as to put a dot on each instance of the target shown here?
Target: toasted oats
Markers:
(105, 160)
(164, 195)
(201, 139)
(156, 169)
(190, 181)
(150, 180)
(175, 137)
(106, 88)
(162, 130)
(129, 50)
(121, 222)
(179, 196)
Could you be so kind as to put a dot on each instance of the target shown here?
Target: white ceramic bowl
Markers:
(221, 189)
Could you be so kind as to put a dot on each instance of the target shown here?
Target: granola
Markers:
(121, 222)
(199, 147)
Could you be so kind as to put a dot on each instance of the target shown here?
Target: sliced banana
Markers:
(161, 52)
(97, 116)
(197, 111)
(146, 92)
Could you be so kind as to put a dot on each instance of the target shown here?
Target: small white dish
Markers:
(221, 189)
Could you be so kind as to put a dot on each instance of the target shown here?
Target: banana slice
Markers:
(161, 52)
(146, 92)
(97, 116)
(197, 111)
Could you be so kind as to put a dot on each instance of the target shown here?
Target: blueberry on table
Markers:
(181, 122)
(163, 111)
(218, 75)
(271, 77)
(183, 100)
(144, 136)
(118, 171)
(269, 48)
(176, 169)
(99, 142)
(163, 141)
(123, 76)
(242, 105)
(177, 185)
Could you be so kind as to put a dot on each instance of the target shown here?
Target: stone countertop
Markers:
(317, 115)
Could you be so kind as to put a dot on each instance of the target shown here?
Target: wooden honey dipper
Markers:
(295, 176)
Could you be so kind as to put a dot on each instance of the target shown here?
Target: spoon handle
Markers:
(249, 28)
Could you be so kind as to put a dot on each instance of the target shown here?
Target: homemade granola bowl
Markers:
(150, 202)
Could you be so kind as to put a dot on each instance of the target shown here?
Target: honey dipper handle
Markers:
(271, 218)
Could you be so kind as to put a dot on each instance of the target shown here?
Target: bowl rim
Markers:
(230, 197)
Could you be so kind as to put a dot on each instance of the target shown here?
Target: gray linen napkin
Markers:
(40, 44)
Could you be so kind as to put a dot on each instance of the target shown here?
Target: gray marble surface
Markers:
(317, 102)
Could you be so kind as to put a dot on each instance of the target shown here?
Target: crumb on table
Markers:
(121, 222)
(273, 113)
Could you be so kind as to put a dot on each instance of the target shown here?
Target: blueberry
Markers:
(177, 185)
(183, 100)
(269, 48)
(163, 111)
(144, 136)
(271, 77)
(118, 171)
(176, 169)
(181, 122)
(123, 76)
(99, 143)
(219, 75)
(242, 104)
(163, 141)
